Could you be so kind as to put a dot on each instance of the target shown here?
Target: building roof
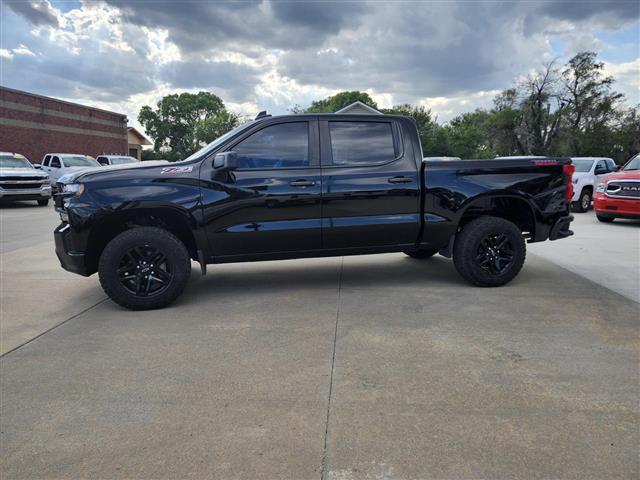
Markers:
(358, 107)
(143, 140)
(35, 95)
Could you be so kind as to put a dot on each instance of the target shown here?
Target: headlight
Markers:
(601, 187)
(73, 188)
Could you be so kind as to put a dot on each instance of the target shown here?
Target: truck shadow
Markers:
(296, 275)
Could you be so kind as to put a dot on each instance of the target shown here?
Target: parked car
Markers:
(115, 159)
(618, 195)
(306, 186)
(58, 164)
(20, 180)
(589, 172)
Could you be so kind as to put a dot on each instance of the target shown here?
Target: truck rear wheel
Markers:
(489, 252)
(421, 253)
(144, 268)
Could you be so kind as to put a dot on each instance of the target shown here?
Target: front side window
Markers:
(102, 160)
(361, 143)
(285, 145)
(46, 160)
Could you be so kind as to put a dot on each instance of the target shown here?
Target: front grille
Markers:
(21, 179)
(21, 185)
(626, 189)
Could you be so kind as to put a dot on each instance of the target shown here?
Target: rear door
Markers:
(371, 185)
(271, 202)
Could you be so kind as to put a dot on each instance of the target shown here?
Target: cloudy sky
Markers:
(261, 54)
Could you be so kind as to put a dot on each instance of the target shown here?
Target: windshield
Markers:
(9, 161)
(633, 164)
(218, 141)
(582, 165)
(79, 161)
(122, 160)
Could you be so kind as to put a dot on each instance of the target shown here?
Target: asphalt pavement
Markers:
(342, 368)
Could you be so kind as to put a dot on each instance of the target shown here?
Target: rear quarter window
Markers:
(361, 143)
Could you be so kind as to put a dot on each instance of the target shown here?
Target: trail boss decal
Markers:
(177, 169)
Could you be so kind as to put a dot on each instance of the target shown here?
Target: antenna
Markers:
(262, 114)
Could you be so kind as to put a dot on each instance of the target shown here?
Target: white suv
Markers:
(58, 164)
(589, 172)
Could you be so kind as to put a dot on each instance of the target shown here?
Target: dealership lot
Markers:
(362, 367)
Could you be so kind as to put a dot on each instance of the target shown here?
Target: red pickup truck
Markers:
(618, 196)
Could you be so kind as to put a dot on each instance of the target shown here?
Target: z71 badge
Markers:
(177, 169)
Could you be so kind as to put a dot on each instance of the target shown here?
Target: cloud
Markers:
(235, 79)
(36, 12)
(275, 54)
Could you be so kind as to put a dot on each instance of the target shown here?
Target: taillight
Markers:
(568, 169)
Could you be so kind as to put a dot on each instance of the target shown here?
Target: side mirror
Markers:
(618, 168)
(37, 166)
(225, 161)
(600, 171)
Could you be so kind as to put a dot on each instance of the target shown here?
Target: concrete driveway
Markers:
(356, 368)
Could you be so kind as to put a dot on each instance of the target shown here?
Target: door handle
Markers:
(400, 180)
(302, 183)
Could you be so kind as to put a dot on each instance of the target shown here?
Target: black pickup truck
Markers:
(306, 186)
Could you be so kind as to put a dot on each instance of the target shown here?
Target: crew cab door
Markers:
(371, 185)
(54, 168)
(271, 202)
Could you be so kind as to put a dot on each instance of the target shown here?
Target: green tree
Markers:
(172, 124)
(336, 102)
(427, 127)
(208, 129)
(591, 103)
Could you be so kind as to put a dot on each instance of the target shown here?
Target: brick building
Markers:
(33, 125)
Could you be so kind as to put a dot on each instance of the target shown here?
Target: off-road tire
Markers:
(421, 253)
(469, 241)
(583, 203)
(604, 219)
(43, 202)
(177, 257)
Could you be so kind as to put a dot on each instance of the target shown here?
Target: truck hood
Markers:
(77, 172)
(22, 172)
(624, 175)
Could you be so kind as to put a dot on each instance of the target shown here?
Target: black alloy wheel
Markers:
(495, 254)
(489, 251)
(145, 270)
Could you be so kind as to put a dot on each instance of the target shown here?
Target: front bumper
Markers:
(26, 193)
(616, 207)
(70, 260)
(560, 229)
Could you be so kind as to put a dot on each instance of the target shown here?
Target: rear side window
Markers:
(361, 143)
(103, 160)
(285, 145)
(55, 162)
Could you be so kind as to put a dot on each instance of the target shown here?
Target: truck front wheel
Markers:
(144, 268)
(489, 251)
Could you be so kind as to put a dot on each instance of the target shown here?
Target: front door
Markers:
(271, 202)
(371, 187)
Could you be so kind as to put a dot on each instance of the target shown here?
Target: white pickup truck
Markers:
(20, 180)
(59, 164)
(589, 172)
